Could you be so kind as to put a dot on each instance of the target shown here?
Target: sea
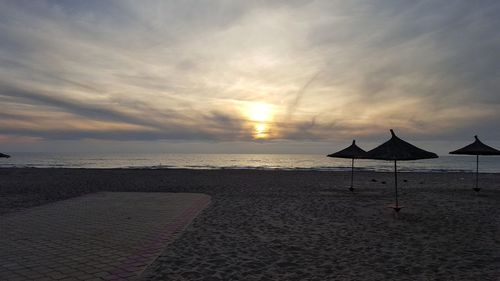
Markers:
(447, 163)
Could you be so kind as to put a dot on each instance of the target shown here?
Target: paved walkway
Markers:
(100, 236)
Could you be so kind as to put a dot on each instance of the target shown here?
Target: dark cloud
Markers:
(93, 111)
(215, 125)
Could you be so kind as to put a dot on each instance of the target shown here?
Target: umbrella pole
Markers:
(477, 173)
(396, 185)
(352, 175)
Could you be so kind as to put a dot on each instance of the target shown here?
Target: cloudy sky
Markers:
(247, 76)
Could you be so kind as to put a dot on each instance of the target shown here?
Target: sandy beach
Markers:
(303, 225)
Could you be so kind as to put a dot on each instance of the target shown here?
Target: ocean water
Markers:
(487, 164)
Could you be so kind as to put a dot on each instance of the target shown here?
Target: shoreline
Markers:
(329, 169)
(271, 162)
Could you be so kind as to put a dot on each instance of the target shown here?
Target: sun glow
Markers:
(261, 131)
(260, 116)
(260, 112)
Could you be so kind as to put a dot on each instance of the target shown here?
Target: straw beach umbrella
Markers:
(351, 152)
(4, 155)
(397, 149)
(477, 148)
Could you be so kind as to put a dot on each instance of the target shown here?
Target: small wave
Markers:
(243, 162)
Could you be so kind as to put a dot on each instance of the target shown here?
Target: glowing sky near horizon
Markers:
(247, 71)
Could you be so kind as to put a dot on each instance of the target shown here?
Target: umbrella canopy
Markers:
(477, 148)
(352, 152)
(398, 149)
(4, 155)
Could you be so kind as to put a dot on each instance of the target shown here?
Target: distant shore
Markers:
(296, 225)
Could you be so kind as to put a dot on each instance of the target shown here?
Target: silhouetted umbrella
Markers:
(352, 152)
(4, 155)
(397, 149)
(477, 148)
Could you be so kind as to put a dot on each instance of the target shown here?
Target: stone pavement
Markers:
(100, 236)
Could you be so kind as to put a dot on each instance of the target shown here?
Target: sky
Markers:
(225, 76)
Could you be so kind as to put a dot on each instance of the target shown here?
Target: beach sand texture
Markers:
(304, 225)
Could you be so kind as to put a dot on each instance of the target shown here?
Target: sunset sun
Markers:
(260, 112)
(260, 116)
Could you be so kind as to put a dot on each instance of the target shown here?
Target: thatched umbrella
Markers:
(351, 152)
(477, 148)
(397, 149)
(4, 155)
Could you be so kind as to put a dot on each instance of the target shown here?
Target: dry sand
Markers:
(303, 225)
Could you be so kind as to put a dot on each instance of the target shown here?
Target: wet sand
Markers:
(303, 225)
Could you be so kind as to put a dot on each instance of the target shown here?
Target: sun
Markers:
(260, 112)
(260, 116)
